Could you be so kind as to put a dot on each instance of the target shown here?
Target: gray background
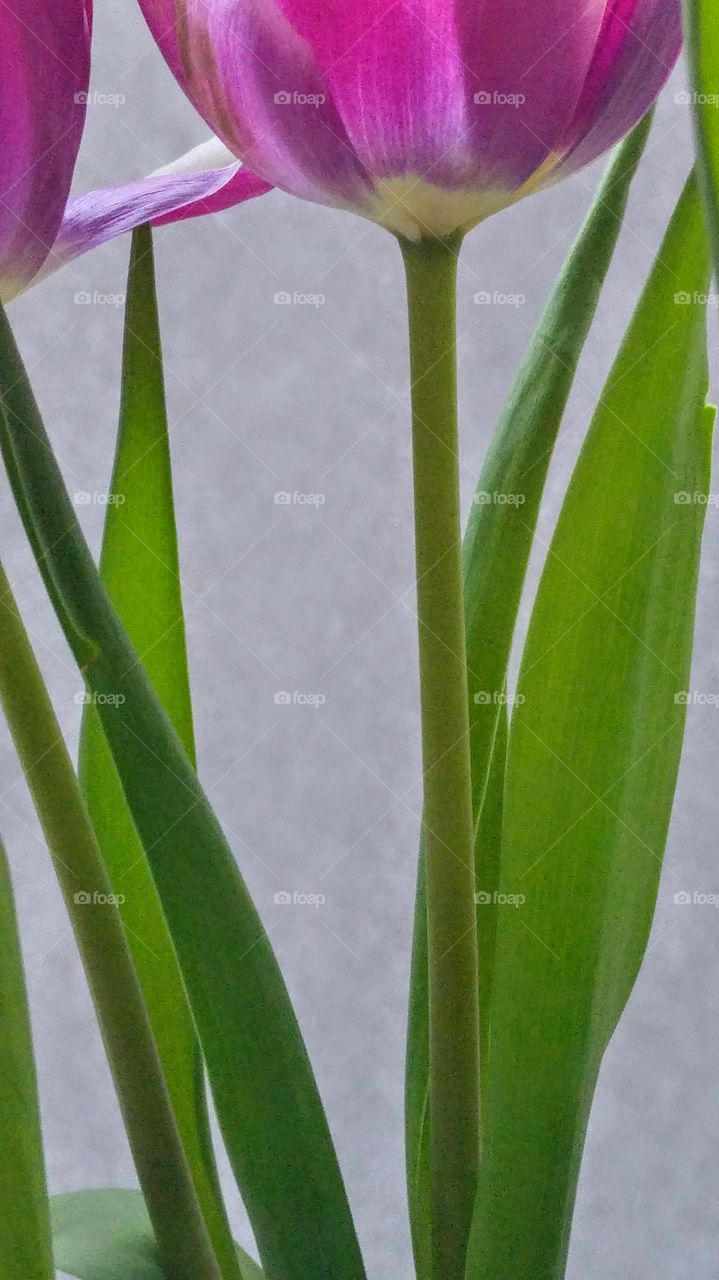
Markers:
(320, 599)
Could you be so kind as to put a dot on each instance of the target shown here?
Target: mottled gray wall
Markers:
(319, 599)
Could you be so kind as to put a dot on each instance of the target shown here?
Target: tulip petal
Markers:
(44, 75)
(396, 74)
(91, 220)
(455, 93)
(527, 64)
(257, 84)
(638, 47)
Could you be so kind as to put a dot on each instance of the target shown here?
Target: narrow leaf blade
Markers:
(140, 569)
(593, 757)
(25, 1247)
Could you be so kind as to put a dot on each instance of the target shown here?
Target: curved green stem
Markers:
(431, 267)
(152, 1131)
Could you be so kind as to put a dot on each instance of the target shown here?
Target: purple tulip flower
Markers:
(44, 92)
(425, 116)
(44, 75)
(422, 115)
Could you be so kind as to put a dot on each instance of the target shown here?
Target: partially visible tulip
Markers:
(44, 91)
(425, 116)
(44, 75)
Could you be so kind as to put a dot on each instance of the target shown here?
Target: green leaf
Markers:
(701, 19)
(269, 1109)
(594, 750)
(140, 569)
(497, 546)
(25, 1248)
(106, 1235)
(132, 1055)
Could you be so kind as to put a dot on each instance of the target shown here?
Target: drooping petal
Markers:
(44, 76)
(172, 195)
(257, 84)
(638, 47)
(235, 184)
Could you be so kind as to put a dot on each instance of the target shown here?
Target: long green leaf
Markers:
(107, 1235)
(140, 569)
(701, 20)
(132, 1055)
(593, 757)
(268, 1106)
(25, 1248)
(497, 546)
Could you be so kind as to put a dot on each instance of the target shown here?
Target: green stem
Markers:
(431, 267)
(152, 1131)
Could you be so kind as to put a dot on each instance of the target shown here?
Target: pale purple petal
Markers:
(639, 45)
(91, 220)
(44, 75)
(258, 86)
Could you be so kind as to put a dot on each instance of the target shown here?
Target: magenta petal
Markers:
(639, 45)
(258, 86)
(243, 185)
(93, 219)
(396, 75)
(44, 75)
(463, 94)
(527, 64)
